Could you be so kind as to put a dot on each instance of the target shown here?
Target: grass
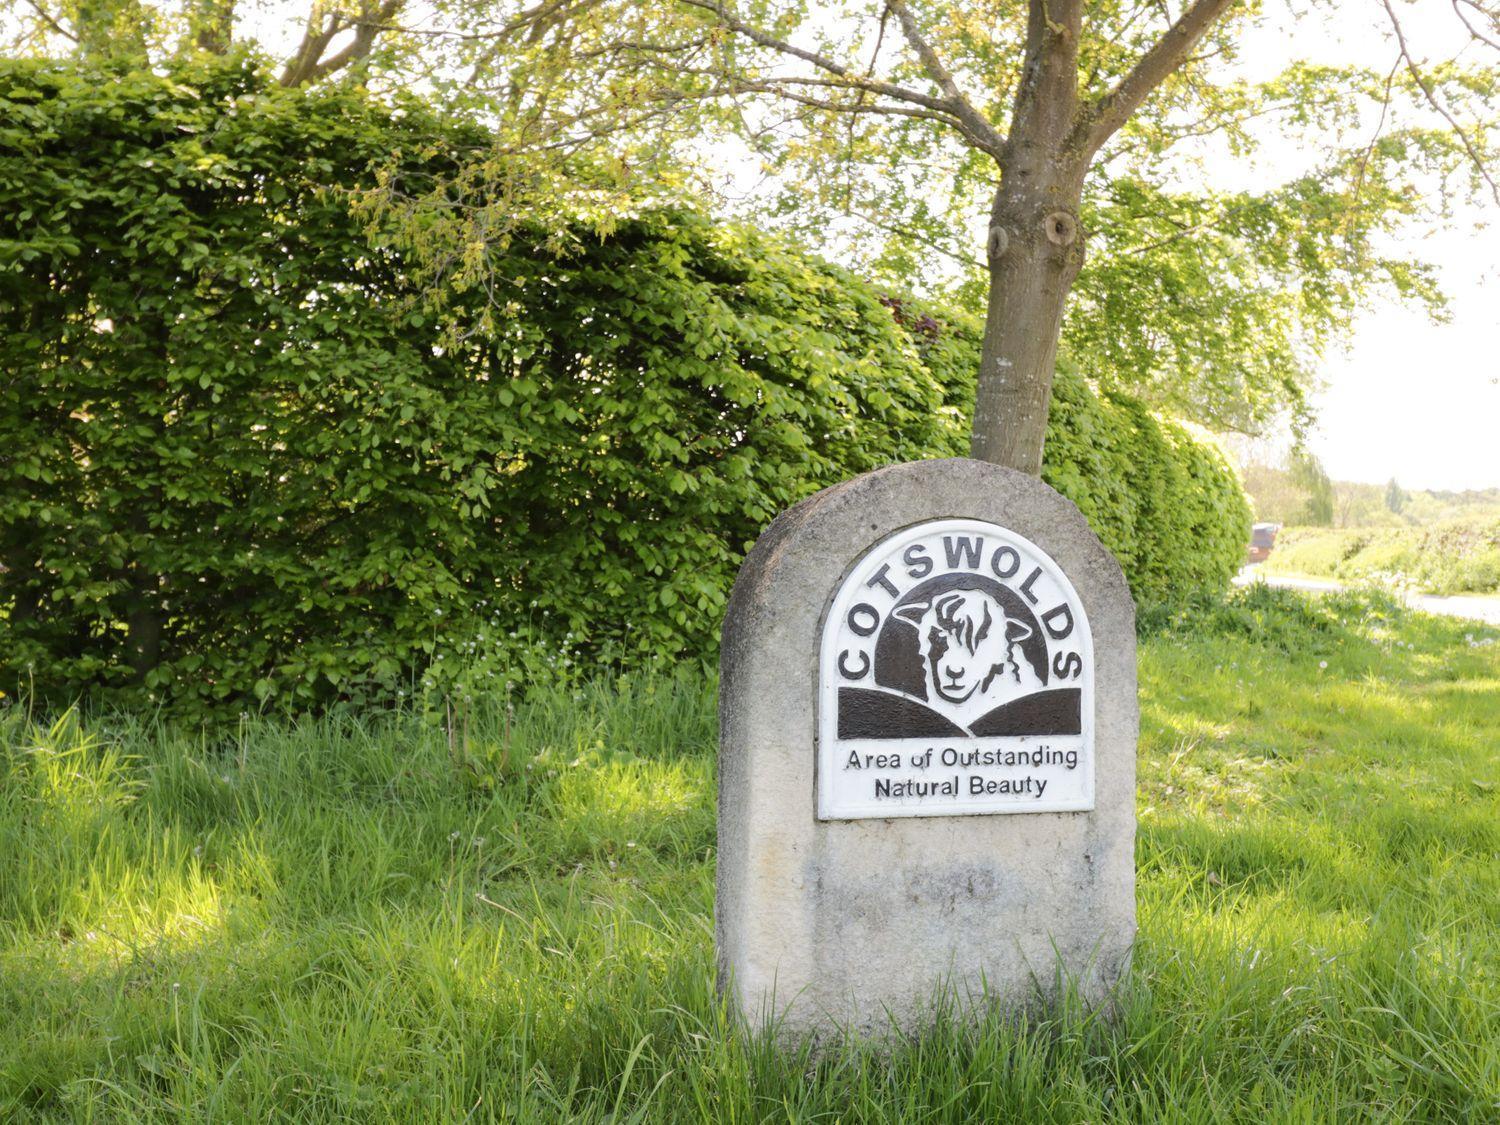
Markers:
(353, 919)
(1461, 557)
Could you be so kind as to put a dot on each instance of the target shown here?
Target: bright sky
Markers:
(1417, 401)
(1410, 399)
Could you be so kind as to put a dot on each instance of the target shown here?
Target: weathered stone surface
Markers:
(829, 924)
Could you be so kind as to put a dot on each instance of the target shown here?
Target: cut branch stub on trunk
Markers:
(1040, 253)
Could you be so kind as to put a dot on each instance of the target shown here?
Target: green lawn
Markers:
(354, 920)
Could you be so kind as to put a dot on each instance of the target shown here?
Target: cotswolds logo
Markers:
(954, 629)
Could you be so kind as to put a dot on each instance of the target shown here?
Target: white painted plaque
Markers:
(956, 676)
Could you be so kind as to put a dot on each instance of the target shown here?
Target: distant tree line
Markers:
(1298, 492)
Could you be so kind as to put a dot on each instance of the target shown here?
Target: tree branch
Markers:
(1046, 94)
(365, 32)
(321, 28)
(51, 22)
(1369, 150)
(308, 65)
(1432, 99)
(1458, 10)
(987, 140)
(776, 89)
(785, 86)
(539, 18)
(975, 124)
(1102, 117)
(212, 25)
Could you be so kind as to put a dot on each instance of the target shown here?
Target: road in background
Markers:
(1486, 609)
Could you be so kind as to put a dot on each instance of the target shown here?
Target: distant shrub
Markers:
(245, 466)
(1280, 619)
(1457, 557)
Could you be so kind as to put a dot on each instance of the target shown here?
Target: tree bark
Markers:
(212, 25)
(143, 627)
(308, 64)
(111, 29)
(1035, 246)
(1036, 250)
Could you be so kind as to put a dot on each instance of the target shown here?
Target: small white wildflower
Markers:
(1322, 664)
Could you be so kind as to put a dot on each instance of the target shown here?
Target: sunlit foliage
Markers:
(249, 461)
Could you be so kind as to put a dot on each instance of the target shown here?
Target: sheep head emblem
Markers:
(966, 642)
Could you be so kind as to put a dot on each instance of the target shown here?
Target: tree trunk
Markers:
(212, 25)
(1035, 251)
(111, 29)
(1034, 247)
(27, 598)
(143, 632)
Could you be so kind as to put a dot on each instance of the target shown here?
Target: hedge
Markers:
(245, 466)
(1165, 501)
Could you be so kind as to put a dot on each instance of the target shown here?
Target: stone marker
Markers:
(927, 754)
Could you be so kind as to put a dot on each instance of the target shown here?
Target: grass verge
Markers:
(1452, 558)
(358, 918)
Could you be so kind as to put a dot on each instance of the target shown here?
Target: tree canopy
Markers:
(884, 132)
(895, 126)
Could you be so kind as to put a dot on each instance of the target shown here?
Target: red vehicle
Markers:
(1262, 539)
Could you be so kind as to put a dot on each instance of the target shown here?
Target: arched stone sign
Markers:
(927, 753)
